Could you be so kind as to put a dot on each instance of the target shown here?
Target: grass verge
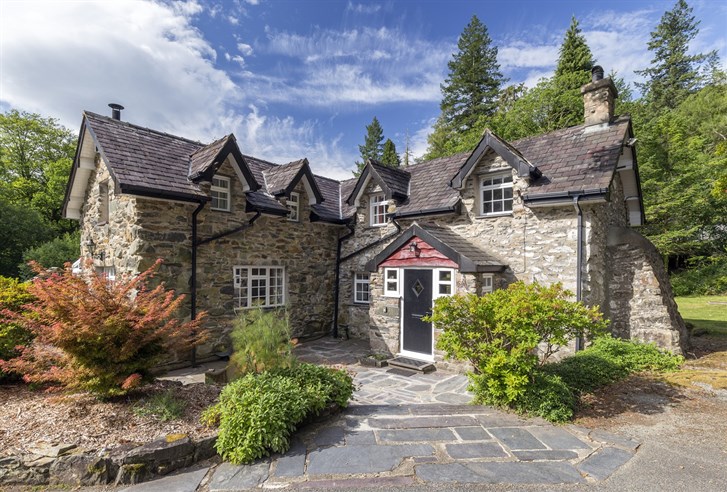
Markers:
(708, 313)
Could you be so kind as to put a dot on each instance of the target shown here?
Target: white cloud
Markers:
(252, 2)
(233, 20)
(361, 8)
(244, 48)
(239, 60)
(524, 55)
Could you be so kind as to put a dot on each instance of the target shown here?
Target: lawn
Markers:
(706, 312)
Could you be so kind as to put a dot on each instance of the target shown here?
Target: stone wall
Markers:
(140, 230)
(116, 242)
(641, 301)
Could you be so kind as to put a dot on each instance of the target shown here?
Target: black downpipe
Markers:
(336, 287)
(579, 260)
(193, 287)
(340, 260)
(195, 244)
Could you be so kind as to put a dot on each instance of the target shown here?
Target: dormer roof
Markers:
(393, 181)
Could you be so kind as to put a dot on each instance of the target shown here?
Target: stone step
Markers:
(412, 364)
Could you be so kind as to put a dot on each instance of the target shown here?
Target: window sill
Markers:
(361, 304)
(220, 210)
(496, 214)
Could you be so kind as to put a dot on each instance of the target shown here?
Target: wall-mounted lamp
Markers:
(91, 247)
(414, 248)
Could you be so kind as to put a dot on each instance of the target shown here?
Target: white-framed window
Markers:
(108, 273)
(443, 282)
(496, 194)
(487, 284)
(377, 210)
(293, 204)
(361, 288)
(259, 286)
(220, 193)
(391, 282)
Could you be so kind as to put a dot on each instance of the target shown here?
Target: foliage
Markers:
(555, 388)
(258, 413)
(682, 153)
(673, 74)
(163, 406)
(471, 89)
(13, 296)
(574, 53)
(706, 277)
(372, 147)
(52, 254)
(500, 334)
(21, 228)
(261, 341)
(36, 154)
(389, 157)
(99, 336)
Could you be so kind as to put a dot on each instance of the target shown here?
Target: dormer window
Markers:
(496, 194)
(293, 204)
(220, 193)
(377, 210)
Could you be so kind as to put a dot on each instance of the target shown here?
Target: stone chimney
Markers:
(598, 98)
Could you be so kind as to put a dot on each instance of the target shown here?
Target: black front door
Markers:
(417, 334)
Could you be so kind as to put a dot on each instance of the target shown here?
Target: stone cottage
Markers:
(366, 257)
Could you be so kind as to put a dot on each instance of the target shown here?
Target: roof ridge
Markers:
(209, 145)
(260, 160)
(150, 130)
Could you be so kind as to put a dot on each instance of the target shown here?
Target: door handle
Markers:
(418, 316)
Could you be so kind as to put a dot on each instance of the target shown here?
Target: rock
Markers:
(80, 470)
(160, 450)
(43, 449)
(132, 474)
(205, 449)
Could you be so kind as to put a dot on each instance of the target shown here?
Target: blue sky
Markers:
(301, 78)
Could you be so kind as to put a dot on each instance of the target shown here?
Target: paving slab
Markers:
(290, 466)
(614, 439)
(228, 477)
(187, 481)
(358, 438)
(545, 455)
(362, 459)
(516, 438)
(475, 450)
(499, 472)
(423, 422)
(601, 464)
(557, 438)
(416, 435)
(472, 433)
(329, 436)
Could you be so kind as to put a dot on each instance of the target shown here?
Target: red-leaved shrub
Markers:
(99, 336)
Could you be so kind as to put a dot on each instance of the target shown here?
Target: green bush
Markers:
(706, 278)
(261, 341)
(164, 406)
(52, 254)
(13, 295)
(555, 388)
(257, 413)
(501, 333)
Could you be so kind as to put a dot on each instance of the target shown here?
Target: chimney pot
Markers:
(596, 73)
(116, 110)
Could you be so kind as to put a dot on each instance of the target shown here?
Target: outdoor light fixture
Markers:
(414, 248)
(91, 247)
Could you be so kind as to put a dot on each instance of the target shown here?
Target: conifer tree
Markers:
(389, 157)
(575, 55)
(673, 74)
(372, 147)
(471, 89)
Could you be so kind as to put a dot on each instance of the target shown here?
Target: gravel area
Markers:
(28, 417)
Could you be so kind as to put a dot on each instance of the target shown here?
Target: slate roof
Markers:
(470, 257)
(144, 160)
(430, 188)
(578, 158)
(277, 178)
(203, 158)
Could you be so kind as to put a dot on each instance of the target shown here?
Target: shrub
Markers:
(52, 254)
(13, 296)
(556, 388)
(708, 277)
(500, 333)
(261, 341)
(99, 336)
(164, 406)
(257, 413)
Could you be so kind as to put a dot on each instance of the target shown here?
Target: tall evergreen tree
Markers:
(389, 157)
(673, 73)
(474, 80)
(372, 147)
(575, 55)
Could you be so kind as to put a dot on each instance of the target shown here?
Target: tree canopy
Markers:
(372, 147)
(389, 157)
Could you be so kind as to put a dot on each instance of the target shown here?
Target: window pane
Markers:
(497, 207)
(487, 208)
(508, 192)
(508, 205)
(391, 286)
(497, 194)
(508, 178)
(445, 289)
(445, 276)
(392, 274)
(487, 195)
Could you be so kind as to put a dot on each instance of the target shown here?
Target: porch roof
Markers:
(470, 257)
